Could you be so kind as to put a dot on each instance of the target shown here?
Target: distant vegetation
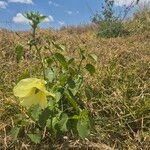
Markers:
(109, 24)
(97, 93)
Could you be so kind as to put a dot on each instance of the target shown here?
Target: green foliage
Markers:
(59, 57)
(19, 52)
(108, 10)
(83, 125)
(62, 122)
(109, 24)
(93, 57)
(90, 68)
(36, 138)
(65, 79)
(35, 17)
(34, 112)
(107, 13)
(111, 28)
(15, 132)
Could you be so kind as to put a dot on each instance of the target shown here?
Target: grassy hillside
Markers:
(118, 95)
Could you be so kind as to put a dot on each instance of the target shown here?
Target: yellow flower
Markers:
(32, 91)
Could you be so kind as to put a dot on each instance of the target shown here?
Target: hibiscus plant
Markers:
(53, 105)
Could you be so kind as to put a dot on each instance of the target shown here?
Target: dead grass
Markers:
(120, 104)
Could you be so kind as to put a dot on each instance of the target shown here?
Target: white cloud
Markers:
(51, 19)
(54, 4)
(3, 4)
(21, 1)
(69, 12)
(61, 23)
(72, 13)
(129, 2)
(19, 18)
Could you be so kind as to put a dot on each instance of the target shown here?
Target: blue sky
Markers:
(59, 12)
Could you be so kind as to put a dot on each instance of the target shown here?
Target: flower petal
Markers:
(34, 99)
(21, 91)
(28, 101)
(26, 87)
(32, 91)
(42, 100)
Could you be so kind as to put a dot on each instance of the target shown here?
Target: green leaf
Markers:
(63, 122)
(51, 104)
(78, 84)
(50, 74)
(90, 68)
(63, 79)
(49, 61)
(57, 96)
(72, 71)
(70, 61)
(14, 132)
(42, 18)
(71, 99)
(59, 46)
(83, 125)
(44, 117)
(82, 53)
(19, 52)
(71, 83)
(55, 120)
(36, 138)
(93, 57)
(61, 59)
(34, 111)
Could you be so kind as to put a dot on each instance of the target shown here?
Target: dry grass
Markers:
(121, 100)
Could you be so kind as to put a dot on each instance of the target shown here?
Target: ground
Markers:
(120, 103)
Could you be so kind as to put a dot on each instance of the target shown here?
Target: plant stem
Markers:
(33, 33)
(41, 60)
(38, 50)
(79, 67)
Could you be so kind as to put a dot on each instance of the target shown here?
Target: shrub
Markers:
(110, 29)
(109, 24)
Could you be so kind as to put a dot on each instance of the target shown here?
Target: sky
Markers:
(59, 12)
